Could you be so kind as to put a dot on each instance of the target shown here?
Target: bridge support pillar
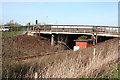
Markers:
(39, 32)
(35, 33)
(52, 40)
(96, 38)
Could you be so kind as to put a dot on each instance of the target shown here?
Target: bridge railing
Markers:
(109, 29)
(80, 29)
(72, 29)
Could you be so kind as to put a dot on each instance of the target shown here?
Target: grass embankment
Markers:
(14, 33)
(22, 28)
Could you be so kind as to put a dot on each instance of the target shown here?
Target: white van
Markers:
(4, 28)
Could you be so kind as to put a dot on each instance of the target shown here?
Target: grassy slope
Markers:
(6, 34)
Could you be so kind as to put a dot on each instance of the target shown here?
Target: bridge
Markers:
(57, 30)
(77, 29)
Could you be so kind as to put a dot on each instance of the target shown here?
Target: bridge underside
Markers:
(99, 34)
(68, 33)
(70, 37)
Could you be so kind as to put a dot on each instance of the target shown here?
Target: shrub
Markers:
(83, 37)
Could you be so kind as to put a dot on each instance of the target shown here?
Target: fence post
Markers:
(44, 28)
(94, 53)
(36, 76)
(63, 28)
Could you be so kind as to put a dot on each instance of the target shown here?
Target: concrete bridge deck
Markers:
(77, 29)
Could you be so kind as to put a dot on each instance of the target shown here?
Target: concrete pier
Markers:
(52, 40)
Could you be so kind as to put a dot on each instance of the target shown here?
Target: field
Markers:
(14, 33)
(23, 56)
(22, 28)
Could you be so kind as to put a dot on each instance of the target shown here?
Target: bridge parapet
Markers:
(77, 28)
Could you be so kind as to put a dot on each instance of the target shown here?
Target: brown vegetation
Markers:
(24, 45)
(63, 64)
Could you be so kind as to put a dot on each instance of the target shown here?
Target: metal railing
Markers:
(78, 29)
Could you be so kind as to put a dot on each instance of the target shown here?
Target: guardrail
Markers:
(83, 29)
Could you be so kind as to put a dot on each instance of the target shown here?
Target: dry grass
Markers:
(67, 64)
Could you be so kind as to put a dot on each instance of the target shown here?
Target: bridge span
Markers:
(109, 31)
(66, 34)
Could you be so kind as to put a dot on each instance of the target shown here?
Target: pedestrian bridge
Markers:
(109, 31)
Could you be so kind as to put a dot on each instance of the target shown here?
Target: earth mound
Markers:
(24, 45)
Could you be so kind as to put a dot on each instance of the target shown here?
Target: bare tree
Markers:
(13, 24)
